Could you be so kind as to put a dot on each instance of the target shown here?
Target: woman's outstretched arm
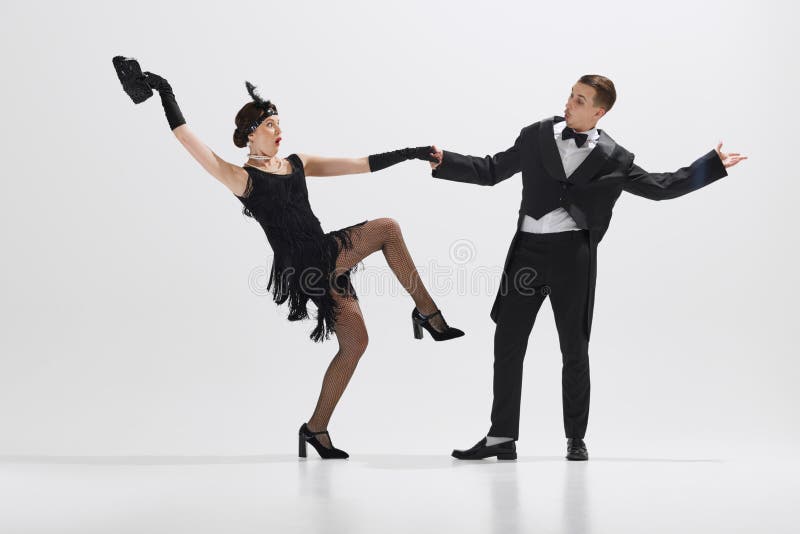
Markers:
(320, 166)
(231, 176)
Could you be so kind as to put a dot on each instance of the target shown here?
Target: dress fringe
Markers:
(315, 281)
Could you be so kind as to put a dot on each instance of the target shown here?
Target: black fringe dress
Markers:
(304, 256)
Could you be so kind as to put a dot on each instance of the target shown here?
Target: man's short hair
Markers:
(606, 94)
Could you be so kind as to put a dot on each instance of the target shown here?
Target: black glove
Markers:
(387, 159)
(173, 112)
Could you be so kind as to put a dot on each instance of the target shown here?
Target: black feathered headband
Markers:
(267, 107)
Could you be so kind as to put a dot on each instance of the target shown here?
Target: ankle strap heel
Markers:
(307, 436)
(420, 321)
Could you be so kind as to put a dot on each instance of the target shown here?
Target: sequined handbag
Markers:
(132, 79)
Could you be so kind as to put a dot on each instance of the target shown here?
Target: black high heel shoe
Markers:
(306, 435)
(420, 321)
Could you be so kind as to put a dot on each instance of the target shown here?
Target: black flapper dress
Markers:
(304, 256)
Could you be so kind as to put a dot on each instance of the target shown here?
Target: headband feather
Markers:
(266, 106)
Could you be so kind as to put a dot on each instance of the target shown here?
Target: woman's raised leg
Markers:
(384, 234)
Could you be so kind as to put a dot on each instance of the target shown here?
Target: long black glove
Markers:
(173, 112)
(387, 159)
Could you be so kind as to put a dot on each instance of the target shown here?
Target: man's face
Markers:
(580, 111)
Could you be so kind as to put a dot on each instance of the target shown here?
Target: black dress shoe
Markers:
(504, 451)
(576, 450)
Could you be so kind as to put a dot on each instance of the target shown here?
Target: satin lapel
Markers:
(551, 159)
(594, 161)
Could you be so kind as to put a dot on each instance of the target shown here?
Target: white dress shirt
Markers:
(559, 220)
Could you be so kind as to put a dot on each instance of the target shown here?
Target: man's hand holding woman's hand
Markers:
(438, 154)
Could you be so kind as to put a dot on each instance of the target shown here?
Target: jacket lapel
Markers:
(587, 170)
(551, 159)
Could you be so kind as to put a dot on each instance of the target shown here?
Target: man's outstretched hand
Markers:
(729, 159)
(438, 154)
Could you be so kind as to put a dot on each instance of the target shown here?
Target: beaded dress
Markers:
(304, 255)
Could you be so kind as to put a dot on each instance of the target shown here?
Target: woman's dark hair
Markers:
(246, 117)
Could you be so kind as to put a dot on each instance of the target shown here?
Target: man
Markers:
(572, 174)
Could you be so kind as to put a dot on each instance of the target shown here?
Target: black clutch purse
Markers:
(133, 82)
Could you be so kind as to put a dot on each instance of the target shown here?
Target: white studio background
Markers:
(130, 319)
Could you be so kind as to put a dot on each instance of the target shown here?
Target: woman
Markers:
(308, 264)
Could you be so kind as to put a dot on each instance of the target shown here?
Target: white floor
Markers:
(404, 493)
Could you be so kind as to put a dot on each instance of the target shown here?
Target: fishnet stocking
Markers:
(351, 332)
(384, 234)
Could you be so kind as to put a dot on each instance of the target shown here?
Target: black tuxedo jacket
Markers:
(590, 192)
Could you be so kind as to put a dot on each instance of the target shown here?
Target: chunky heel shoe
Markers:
(417, 329)
(420, 321)
(305, 435)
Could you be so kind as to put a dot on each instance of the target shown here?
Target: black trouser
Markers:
(541, 264)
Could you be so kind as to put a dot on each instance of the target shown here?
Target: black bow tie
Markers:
(569, 133)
